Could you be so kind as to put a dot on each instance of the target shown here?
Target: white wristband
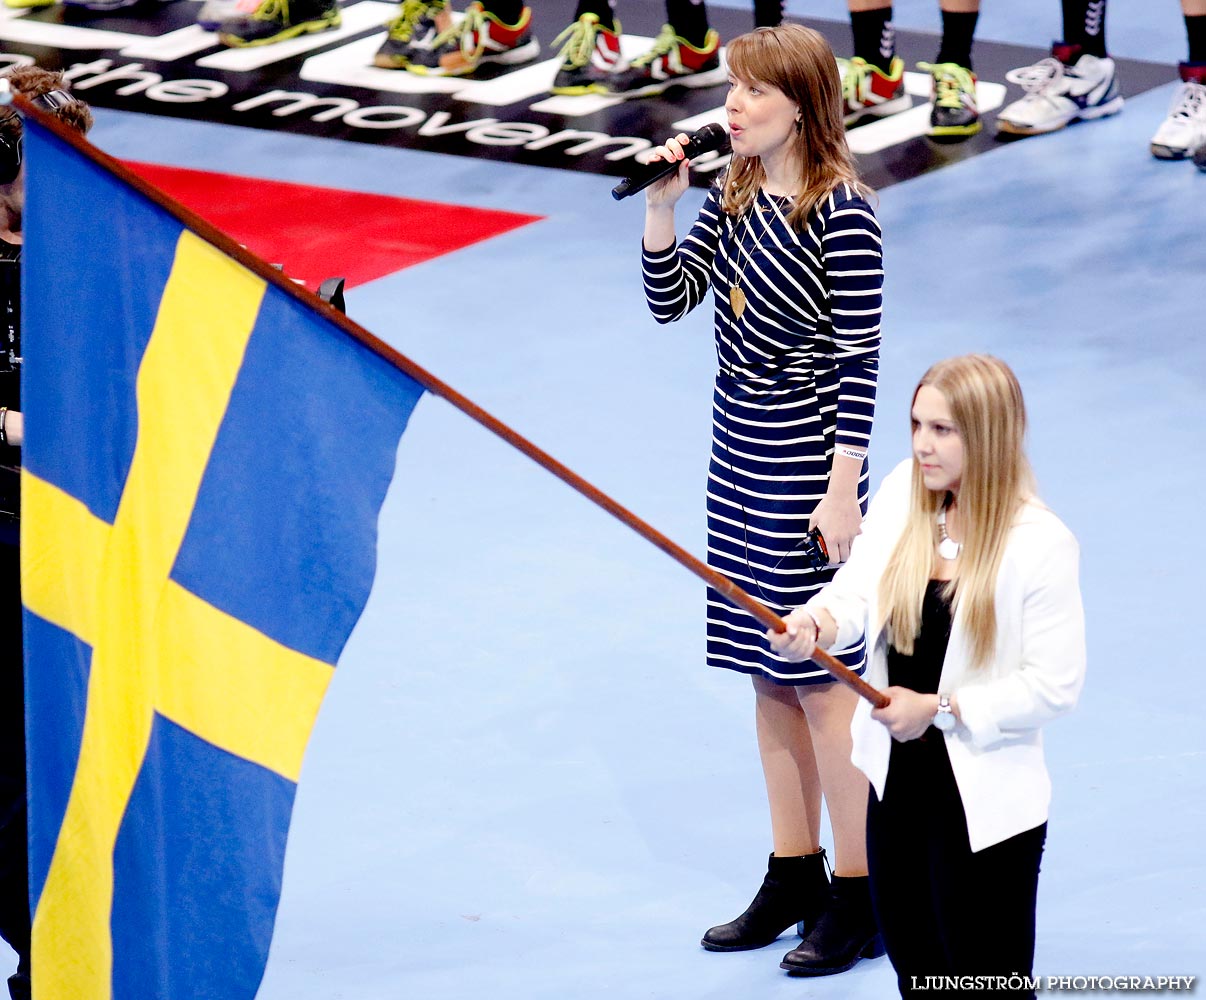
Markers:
(845, 452)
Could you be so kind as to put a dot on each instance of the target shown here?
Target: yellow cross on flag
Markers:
(197, 546)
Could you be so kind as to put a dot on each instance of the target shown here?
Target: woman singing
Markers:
(966, 587)
(791, 248)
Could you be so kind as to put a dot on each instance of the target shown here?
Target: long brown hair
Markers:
(987, 408)
(799, 62)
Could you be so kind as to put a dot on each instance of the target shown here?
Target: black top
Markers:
(10, 384)
(10, 324)
(922, 671)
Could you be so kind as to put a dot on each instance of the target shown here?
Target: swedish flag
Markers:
(206, 456)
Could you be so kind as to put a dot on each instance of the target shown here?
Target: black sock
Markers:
(768, 13)
(958, 30)
(874, 36)
(1084, 25)
(507, 11)
(602, 9)
(1195, 29)
(690, 20)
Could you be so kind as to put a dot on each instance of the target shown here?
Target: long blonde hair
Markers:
(799, 62)
(989, 413)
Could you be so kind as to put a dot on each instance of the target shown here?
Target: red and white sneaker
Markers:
(590, 57)
(867, 91)
(672, 62)
(479, 37)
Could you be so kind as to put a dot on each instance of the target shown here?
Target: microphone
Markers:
(707, 139)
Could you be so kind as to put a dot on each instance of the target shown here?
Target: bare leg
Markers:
(793, 784)
(796, 888)
(846, 931)
(828, 708)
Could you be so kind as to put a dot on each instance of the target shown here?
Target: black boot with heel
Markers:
(845, 933)
(795, 891)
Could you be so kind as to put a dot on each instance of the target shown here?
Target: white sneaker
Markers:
(214, 12)
(1058, 93)
(1184, 130)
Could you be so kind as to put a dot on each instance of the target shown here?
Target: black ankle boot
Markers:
(795, 891)
(845, 933)
(18, 986)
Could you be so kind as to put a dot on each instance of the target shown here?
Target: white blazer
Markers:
(1035, 674)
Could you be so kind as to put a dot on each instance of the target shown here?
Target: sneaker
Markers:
(214, 12)
(1184, 130)
(672, 62)
(478, 38)
(868, 91)
(955, 115)
(418, 24)
(1059, 90)
(1199, 157)
(277, 20)
(589, 57)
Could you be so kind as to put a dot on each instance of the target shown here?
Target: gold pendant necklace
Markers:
(737, 300)
(737, 297)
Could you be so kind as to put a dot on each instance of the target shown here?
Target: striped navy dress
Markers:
(796, 375)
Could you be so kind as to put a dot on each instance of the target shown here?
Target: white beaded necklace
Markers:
(948, 548)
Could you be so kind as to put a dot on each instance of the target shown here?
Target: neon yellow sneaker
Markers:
(414, 30)
(590, 56)
(672, 62)
(868, 91)
(479, 37)
(956, 114)
(276, 20)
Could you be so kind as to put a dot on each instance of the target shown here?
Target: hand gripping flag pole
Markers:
(436, 386)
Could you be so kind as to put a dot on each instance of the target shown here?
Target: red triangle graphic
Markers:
(319, 233)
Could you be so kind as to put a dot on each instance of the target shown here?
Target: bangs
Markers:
(758, 57)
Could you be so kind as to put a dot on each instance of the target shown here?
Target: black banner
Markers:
(152, 58)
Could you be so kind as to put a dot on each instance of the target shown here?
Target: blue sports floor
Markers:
(524, 784)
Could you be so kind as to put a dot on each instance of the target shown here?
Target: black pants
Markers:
(14, 848)
(942, 910)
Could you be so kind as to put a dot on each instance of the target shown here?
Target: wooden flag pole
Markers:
(273, 276)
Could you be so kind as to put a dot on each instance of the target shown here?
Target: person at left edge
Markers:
(49, 92)
(791, 249)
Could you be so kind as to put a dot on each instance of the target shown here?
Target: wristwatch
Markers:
(944, 718)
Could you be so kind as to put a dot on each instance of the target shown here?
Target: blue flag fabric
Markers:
(205, 461)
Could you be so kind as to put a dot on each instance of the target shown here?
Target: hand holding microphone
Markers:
(669, 158)
(672, 165)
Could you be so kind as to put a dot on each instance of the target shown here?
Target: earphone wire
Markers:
(745, 515)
